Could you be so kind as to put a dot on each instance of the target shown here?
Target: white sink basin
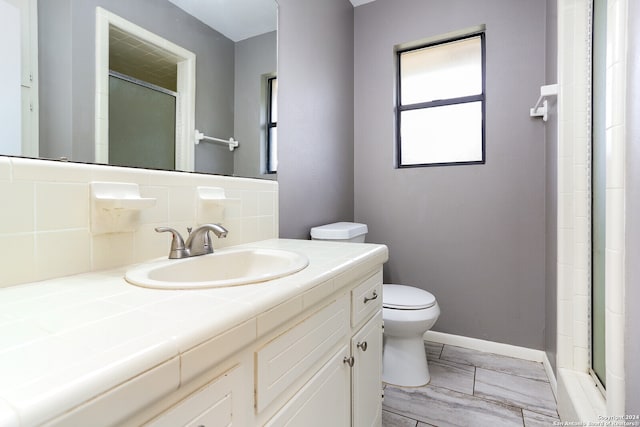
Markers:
(225, 267)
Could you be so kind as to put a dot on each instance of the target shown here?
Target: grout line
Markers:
(475, 370)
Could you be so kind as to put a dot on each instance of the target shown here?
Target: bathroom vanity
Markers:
(305, 349)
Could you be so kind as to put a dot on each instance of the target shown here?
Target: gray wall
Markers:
(472, 235)
(551, 190)
(315, 127)
(632, 279)
(67, 69)
(254, 58)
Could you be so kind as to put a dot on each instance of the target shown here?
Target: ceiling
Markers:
(237, 20)
(359, 2)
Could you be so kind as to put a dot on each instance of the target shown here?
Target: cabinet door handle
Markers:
(375, 295)
(349, 361)
(362, 345)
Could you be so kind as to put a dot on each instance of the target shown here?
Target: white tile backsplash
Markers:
(72, 200)
(5, 169)
(17, 252)
(17, 212)
(63, 253)
(45, 216)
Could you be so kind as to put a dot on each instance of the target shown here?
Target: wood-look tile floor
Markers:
(472, 388)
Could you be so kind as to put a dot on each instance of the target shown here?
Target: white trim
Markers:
(615, 205)
(186, 88)
(30, 125)
(486, 346)
(551, 375)
(577, 400)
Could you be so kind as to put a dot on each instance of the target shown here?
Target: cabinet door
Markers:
(215, 405)
(289, 358)
(324, 401)
(366, 387)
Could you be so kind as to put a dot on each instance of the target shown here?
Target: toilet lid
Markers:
(406, 297)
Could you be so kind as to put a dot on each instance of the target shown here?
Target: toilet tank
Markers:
(340, 231)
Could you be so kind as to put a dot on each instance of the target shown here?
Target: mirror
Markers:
(80, 109)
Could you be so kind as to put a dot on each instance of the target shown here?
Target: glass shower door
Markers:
(598, 192)
(142, 124)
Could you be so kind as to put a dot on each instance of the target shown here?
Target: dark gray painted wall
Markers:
(551, 189)
(472, 235)
(632, 231)
(254, 58)
(67, 68)
(315, 128)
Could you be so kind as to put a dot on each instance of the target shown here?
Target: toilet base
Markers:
(404, 362)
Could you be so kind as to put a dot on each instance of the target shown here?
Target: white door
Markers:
(10, 77)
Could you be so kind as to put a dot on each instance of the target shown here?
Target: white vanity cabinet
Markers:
(218, 404)
(347, 389)
(320, 368)
(366, 350)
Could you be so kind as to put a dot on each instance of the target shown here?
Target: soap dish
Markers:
(116, 206)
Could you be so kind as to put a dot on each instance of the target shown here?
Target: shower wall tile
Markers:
(45, 216)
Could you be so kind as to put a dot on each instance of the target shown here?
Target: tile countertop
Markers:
(68, 340)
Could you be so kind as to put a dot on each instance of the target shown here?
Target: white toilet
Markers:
(408, 313)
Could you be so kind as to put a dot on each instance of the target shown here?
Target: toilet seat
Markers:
(402, 297)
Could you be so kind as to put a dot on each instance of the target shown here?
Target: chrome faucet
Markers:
(198, 242)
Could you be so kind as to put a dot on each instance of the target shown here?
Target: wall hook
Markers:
(541, 109)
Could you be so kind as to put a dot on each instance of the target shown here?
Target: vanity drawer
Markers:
(366, 298)
(290, 356)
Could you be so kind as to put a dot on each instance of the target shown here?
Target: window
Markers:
(441, 103)
(272, 125)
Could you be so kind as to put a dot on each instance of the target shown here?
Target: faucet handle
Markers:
(178, 249)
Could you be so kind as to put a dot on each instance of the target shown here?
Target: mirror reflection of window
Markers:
(272, 125)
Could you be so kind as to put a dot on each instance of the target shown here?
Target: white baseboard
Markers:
(551, 375)
(486, 346)
(497, 348)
